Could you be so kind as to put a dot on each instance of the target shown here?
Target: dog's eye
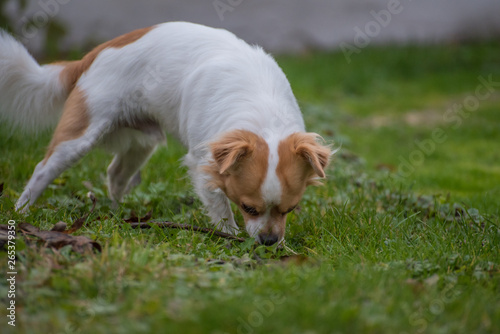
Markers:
(289, 210)
(248, 209)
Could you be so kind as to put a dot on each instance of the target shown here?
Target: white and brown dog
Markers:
(228, 102)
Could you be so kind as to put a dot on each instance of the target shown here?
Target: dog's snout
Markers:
(268, 239)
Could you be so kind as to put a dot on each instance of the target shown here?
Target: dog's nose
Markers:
(268, 239)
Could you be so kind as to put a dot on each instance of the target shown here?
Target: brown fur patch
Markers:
(301, 159)
(74, 69)
(73, 123)
(279, 222)
(240, 166)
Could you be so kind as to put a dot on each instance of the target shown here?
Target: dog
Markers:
(228, 102)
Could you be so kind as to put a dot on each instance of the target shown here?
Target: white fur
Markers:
(271, 188)
(31, 96)
(255, 225)
(195, 82)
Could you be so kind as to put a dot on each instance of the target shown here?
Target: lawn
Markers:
(394, 242)
(386, 103)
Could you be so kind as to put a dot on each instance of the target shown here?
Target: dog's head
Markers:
(265, 179)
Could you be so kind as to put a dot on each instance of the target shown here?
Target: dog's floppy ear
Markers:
(317, 155)
(232, 148)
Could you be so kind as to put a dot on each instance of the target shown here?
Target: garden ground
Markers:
(402, 238)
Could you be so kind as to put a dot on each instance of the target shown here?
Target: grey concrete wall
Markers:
(277, 25)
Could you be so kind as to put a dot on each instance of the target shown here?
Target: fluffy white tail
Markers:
(31, 96)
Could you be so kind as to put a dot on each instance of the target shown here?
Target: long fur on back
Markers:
(31, 96)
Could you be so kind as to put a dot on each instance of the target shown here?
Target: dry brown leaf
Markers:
(57, 240)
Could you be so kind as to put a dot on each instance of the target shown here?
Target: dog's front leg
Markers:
(219, 210)
(216, 203)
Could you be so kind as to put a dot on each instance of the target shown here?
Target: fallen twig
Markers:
(189, 228)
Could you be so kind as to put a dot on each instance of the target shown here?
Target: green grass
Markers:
(381, 254)
(387, 99)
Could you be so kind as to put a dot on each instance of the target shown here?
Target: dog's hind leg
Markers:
(133, 144)
(123, 172)
(74, 137)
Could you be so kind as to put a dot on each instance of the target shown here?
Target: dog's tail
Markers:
(31, 96)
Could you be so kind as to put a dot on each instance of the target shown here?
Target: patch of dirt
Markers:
(423, 118)
(427, 118)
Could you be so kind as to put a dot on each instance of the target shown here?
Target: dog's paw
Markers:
(233, 230)
(22, 206)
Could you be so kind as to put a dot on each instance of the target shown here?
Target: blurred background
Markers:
(407, 88)
(278, 25)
